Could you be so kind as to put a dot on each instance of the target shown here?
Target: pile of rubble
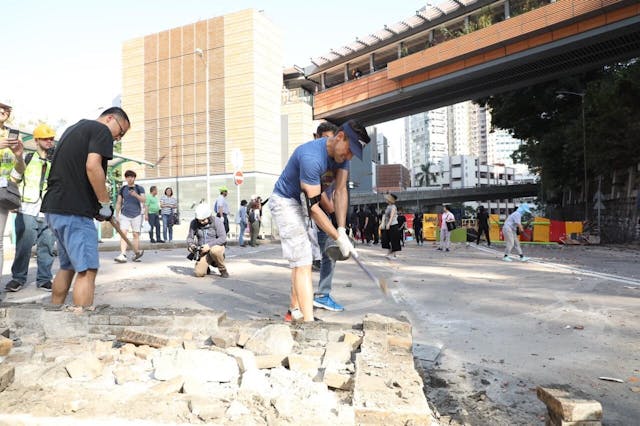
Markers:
(186, 367)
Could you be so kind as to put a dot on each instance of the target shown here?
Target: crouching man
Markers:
(206, 242)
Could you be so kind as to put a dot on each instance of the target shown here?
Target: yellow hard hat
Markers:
(44, 131)
(223, 189)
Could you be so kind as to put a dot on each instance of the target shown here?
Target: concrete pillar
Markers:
(507, 12)
(322, 81)
(372, 63)
(346, 72)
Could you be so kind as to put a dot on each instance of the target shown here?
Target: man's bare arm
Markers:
(96, 177)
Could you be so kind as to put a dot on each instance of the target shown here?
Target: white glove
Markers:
(345, 244)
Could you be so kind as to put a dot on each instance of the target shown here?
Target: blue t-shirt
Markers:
(131, 205)
(307, 164)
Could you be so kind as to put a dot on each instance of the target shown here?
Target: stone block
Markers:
(192, 386)
(255, 381)
(85, 368)
(553, 419)
(304, 364)
(569, 405)
(336, 354)
(336, 380)
(270, 361)
(5, 346)
(123, 375)
(123, 320)
(386, 324)
(398, 342)
(144, 351)
(246, 359)
(173, 385)
(207, 409)
(223, 339)
(7, 375)
(5, 332)
(143, 338)
(189, 344)
(243, 336)
(274, 339)
(128, 349)
(202, 364)
(98, 319)
(62, 324)
(335, 336)
(352, 339)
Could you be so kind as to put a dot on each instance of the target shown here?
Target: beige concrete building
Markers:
(165, 91)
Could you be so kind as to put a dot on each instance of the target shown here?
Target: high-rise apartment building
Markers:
(426, 138)
(226, 71)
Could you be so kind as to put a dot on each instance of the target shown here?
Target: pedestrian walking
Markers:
(152, 206)
(11, 150)
(221, 207)
(242, 222)
(511, 229)
(30, 226)
(447, 224)
(76, 193)
(417, 227)
(169, 212)
(295, 200)
(129, 212)
(254, 222)
(206, 242)
(391, 239)
(483, 225)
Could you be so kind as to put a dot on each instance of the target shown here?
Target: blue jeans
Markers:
(167, 225)
(154, 222)
(32, 230)
(243, 226)
(327, 266)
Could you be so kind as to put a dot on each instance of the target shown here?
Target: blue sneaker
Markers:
(327, 302)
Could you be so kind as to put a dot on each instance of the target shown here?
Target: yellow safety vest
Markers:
(34, 178)
(7, 158)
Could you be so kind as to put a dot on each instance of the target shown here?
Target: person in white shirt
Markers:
(511, 238)
(221, 207)
(445, 230)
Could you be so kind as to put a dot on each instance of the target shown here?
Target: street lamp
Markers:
(561, 94)
(200, 53)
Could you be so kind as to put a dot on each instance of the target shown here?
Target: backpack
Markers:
(252, 216)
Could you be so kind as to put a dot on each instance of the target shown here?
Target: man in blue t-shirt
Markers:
(302, 175)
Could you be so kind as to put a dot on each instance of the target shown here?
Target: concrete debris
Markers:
(5, 346)
(273, 339)
(202, 364)
(568, 405)
(141, 338)
(87, 367)
(7, 375)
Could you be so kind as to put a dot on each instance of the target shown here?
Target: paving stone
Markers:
(5, 346)
(101, 347)
(255, 382)
(128, 349)
(387, 324)
(144, 351)
(569, 405)
(7, 375)
(87, 367)
(207, 409)
(124, 375)
(335, 336)
(236, 409)
(274, 339)
(5, 332)
(336, 354)
(173, 385)
(337, 380)
(553, 419)
(270, 361)
(243, 335)
(352, 339)
(205, 365)
(62, 324)
(402, 343)
(192, 386)
(304, 364)
(245, 358)
(223, 339)
(189, 344)
(143, 338)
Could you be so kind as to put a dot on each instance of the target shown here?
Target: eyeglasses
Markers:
(122, 132)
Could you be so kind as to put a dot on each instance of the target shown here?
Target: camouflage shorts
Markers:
(298, 238)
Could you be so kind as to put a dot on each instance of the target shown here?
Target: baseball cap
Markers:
(356, 144)
(525, 208)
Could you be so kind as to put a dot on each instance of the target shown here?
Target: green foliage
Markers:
(551, 127)
(424, 177)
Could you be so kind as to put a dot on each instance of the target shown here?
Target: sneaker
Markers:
(315, 266)
(327, 302)
(121, 259)
(161, 241)
(293, 315)
(13, 285)
(523, 258)
(137, 256)
(439, 248)
(152, 241)
(446, 250)
(507, 259)
(45, 286)
(224, 274)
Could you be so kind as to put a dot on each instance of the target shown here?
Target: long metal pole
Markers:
(584, 153)
(208, 139)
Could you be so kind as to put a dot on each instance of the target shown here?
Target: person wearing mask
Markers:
(30, 226)
(447, 224)
(168, 209)
(483, 225)
(206, 242)
(76, 193)
(242, 222)
(221, 207)
(152, 216)
(510, 229)
(131, 199)
(296, 201)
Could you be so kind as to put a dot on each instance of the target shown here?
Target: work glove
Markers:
(346, 247)
(105, 212)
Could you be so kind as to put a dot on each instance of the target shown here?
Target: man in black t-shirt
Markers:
(76, 194)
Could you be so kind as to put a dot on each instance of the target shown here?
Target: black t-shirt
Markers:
(68, 187)
(483, 219)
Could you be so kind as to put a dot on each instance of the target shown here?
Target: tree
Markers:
(424, 177)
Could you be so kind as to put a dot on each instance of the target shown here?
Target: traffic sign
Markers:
(238, 178)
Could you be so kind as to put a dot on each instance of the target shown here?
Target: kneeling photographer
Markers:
(206, 242)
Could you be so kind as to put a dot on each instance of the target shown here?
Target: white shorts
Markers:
(298, 238)
(133, 224)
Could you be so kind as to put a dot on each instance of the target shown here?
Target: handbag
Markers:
(451, 226)
(9, 194)
(175, 218)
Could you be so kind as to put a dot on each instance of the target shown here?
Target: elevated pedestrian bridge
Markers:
(465, 49)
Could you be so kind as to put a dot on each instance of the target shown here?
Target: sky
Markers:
(62, 59)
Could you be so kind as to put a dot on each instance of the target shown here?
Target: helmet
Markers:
(43, 131)
(223, 189)
(203, 211)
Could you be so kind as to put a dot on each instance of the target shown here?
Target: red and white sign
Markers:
(238, 178)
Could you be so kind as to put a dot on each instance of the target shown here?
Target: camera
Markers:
(195, 255)
(14, 134)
